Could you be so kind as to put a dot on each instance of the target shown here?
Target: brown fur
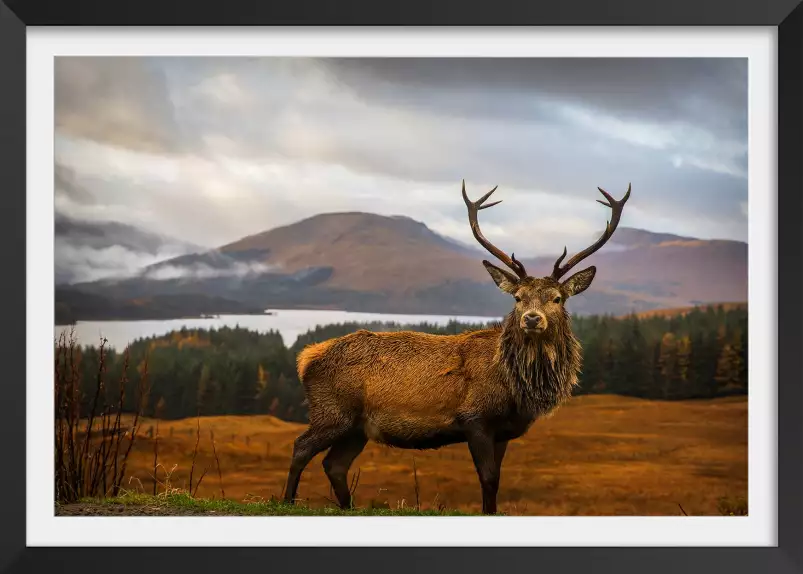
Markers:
(309, 354)
(421, 391)
(410, 386)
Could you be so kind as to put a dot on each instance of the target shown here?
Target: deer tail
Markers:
(309, 355)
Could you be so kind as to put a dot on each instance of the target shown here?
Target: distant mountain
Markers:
(631, 237)
(367, 262)
(366, 252)
(659, 274)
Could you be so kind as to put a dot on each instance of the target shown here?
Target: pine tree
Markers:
(696, 355)
(274, 406)
(246, 388)
(589, 375)
(264, 390)
(743, 347)
(606, 361)
(632, 366)
(203, 395)
(235, 371)
(705, 355)
(161, 405)
(683, 362)
(667, 365)
(728, 370)
(655, 391)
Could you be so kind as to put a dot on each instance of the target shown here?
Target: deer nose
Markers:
(533, 320)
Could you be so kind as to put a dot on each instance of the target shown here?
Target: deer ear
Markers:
(507, 282)
(579, 282)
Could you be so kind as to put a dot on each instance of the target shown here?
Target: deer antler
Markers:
(610, 227)
(473, 209)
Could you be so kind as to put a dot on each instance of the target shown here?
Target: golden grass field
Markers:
(597, 455)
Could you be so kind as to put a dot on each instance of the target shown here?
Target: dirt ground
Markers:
(92, 509)
(597, 455)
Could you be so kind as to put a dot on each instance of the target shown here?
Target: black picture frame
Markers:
(787, 15)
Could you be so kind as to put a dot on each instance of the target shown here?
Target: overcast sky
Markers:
(209, 150)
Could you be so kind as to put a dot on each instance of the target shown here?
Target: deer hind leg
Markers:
(337, 462)
(499, 456)
(311, 442)
(483, 452)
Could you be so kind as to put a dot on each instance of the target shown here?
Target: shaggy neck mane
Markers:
(541, 372)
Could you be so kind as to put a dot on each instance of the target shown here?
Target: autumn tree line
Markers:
(234, 371)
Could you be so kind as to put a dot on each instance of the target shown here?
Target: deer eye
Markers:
(556, 299)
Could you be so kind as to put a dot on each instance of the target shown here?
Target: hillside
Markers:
(666, 274)
(366, 262)
(681, 311)
(366, 251)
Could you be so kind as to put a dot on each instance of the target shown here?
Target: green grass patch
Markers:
(184, 504)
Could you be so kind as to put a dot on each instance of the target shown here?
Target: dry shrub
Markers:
(90, 455)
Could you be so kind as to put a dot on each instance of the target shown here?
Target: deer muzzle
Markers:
(534, 321)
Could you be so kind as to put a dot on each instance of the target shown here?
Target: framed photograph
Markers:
(457, 294)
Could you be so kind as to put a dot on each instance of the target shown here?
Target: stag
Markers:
(421, 391)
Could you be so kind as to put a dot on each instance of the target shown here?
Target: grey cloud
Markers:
(66, 185)
(438, 120)
(675, 128)
(86, 250)
(708, 90)
(77, 262)
(705, 91)
(95, 235)
(200, 271)
(119, 100)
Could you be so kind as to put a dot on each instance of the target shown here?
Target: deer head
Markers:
(539, 308)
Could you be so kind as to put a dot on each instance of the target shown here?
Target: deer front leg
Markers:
(483, 452)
